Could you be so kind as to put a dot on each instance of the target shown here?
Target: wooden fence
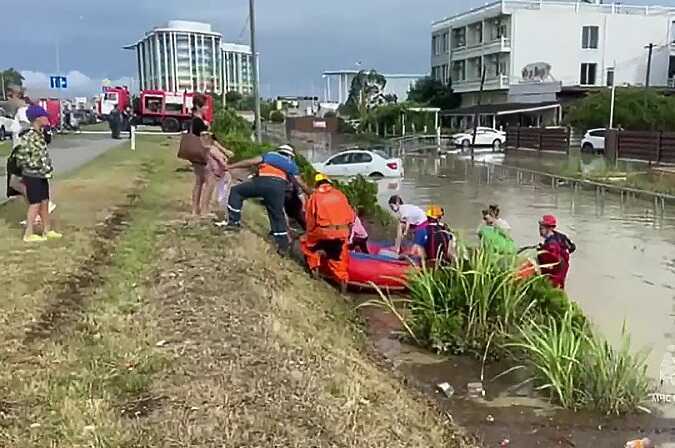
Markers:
(539, 139)
(648, 146)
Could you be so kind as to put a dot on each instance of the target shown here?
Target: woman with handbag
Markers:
(204, 153)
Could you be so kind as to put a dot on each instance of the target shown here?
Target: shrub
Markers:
(277, 116)
(362, 195)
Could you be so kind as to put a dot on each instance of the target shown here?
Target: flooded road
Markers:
(624, 267)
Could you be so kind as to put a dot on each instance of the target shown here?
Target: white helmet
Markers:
(286, 150)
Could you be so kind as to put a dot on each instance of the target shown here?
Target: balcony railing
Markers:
(501, 44)
(498, 82)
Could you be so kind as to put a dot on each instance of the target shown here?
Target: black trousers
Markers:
(294, 210)
(272, 190)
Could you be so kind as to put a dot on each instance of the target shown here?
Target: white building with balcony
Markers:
(558, 44)
(190, 56)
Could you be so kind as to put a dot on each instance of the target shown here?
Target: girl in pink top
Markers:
(359, 238)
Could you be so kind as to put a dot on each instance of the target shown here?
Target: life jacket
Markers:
(328, 208)
(438, 241)
(268, 170)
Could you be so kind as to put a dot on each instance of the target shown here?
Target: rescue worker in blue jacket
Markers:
(274, 170)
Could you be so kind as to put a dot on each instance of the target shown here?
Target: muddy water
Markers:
(624, 267)
(623, 271)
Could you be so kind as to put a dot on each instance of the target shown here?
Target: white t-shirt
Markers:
(411, 214)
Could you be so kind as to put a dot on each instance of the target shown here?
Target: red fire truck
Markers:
(53, 108)
(172, 111)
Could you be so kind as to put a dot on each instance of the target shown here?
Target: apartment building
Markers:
(549, 47)
(190, 56)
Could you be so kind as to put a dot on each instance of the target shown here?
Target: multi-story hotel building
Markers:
(574, 45)
(191, 56)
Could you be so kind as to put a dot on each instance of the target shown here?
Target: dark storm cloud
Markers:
(297, 38)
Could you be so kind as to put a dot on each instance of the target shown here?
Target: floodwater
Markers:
(622, 272)
(624, 266)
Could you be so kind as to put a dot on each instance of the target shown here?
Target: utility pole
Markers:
(258, 130)
(613, 95)
(476, 117)
(649, 63)
(2, 80)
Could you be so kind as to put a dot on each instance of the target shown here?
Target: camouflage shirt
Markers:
(32, 155)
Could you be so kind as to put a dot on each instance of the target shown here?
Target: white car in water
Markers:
(484, 137)
(367, 163)
(594, 141)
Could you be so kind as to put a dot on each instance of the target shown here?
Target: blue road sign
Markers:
(58, 82)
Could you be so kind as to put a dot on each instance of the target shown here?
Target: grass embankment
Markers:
(141, 331)
(5, 148)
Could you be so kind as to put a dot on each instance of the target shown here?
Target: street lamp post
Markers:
(256, 93)
(613, 95)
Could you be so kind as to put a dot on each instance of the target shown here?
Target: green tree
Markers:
(12, 76)
(365, 93)
(276, 116)
(634, 109)
(233, 99)
(430, 92)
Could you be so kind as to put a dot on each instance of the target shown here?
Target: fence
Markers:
(539, 139)
(647, 146)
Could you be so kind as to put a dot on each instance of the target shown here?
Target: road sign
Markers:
(58, 82)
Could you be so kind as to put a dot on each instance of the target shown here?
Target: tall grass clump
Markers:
(459, 309)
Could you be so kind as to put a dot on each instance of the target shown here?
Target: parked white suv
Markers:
(594, 141)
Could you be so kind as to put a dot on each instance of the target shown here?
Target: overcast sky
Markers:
(298, 39)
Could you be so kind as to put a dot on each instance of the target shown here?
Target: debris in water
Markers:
(447, 389)
(504, 443)
(490, 418)
(35, 425)
(642, 443)
(161, 343)
(475, 390)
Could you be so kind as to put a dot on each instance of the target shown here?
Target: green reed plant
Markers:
(553, 351)
(613, 380)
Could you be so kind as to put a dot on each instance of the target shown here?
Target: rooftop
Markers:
(386, 75)
(508, 6)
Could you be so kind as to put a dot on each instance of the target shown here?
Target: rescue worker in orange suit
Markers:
(329, 218)
(554, 253)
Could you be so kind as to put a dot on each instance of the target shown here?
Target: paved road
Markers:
(71, 152)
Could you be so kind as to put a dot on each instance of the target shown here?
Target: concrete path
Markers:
(71, 152)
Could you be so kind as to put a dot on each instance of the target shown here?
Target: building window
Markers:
(610, 77)
(589, 37)
(434, 46)
(588, 74)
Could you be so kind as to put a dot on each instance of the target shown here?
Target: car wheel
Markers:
(497, 145)
(170, 125)
(376, 174)
(2, 133)
(466, 143)
(587, 147)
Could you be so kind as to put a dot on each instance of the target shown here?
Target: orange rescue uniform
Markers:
(329, 219)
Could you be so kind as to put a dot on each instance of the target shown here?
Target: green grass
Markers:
(5, 148)
(479, 307)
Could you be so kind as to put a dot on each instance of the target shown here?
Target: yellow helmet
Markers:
(435, 212)
(320, 177)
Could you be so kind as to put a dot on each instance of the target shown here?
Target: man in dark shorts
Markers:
(32, 158)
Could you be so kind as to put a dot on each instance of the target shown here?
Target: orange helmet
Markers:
(435, 212)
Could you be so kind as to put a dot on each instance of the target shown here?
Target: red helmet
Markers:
(548, 221)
